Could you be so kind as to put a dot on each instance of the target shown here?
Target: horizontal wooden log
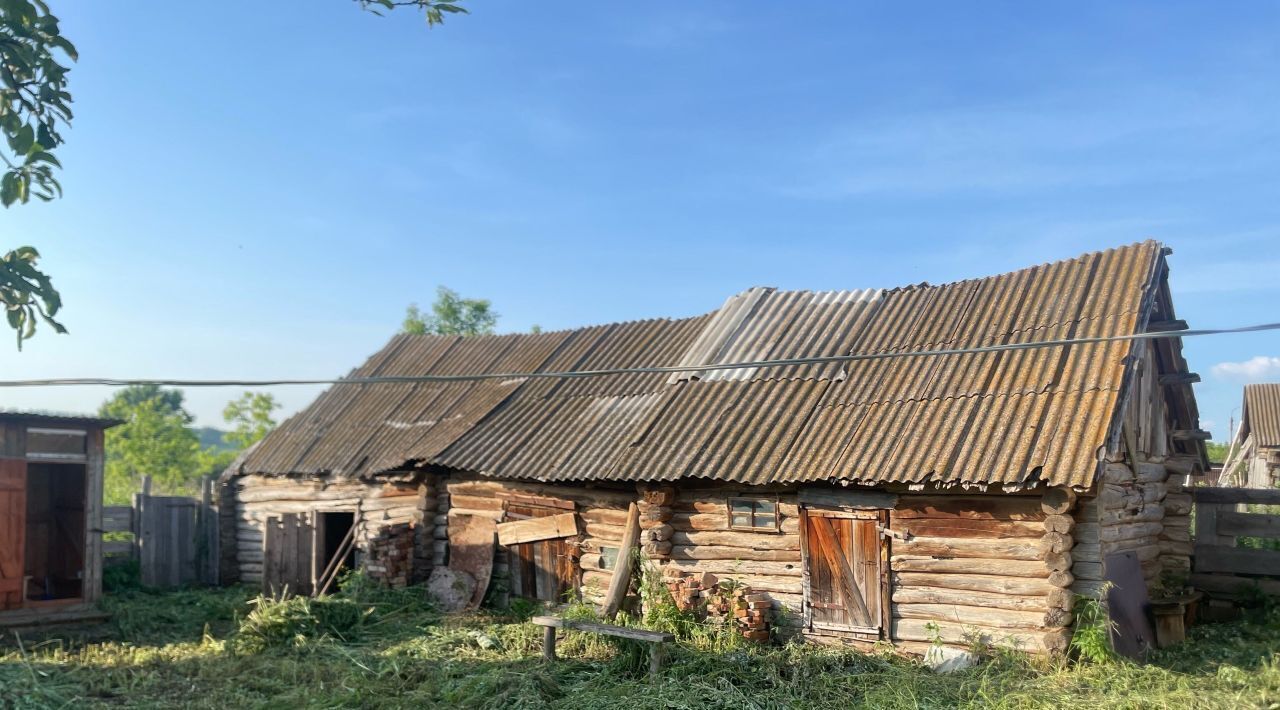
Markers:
(1131, 531)
(1172, 379)
(659, 532)
(975, 583)
(1147, 473)
(1117, 473)
(1087, 570)
(1041, 642)
(490, 514)
(1177, 504)
(733, 568)
(1086, 552)
(990, 600)
(952, 547)
(1236, 560)
(851, 499)
(1057, 501)
(972, 615)
(1059, 524)
(962, 528)
(689, 522)
(1054, 542)
(607, 532)
(545, 528)
(736, 538)
(1058, 561)
(714, 552)
(1248, 524)
(605, 516)
(969, 507)
(1228, 586)
(1266, 496)
(1149, 512)
(475, 502)
(971, 565)
(1085, 533)
(1177, 548)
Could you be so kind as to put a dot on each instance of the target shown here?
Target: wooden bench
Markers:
(656, 639)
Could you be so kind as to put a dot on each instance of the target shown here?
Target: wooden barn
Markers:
(897, 498)
(51, 468)
(1253, 461)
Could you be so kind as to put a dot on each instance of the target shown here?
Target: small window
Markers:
(608, 557)
(753, 514)
(57, 444)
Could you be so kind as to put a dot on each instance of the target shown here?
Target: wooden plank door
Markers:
(844, 568)
(287, 557)
(13, 529)
(545, 570)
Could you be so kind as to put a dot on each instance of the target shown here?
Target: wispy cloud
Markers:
(1255, 369)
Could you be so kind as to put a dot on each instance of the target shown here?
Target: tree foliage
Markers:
(433, 9)
(451, 314)
(34, 107)
(155, 439)
(250, 418)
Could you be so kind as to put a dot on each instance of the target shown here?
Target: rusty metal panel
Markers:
(1014, 417)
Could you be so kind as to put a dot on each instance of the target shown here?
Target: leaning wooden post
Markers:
(622, 571)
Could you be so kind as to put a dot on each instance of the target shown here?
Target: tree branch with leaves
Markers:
(34, 107)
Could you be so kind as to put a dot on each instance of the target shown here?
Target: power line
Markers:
(671, 369)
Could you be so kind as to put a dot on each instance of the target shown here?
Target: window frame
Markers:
(755, 502)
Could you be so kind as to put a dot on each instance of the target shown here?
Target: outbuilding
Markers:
(1253, 459)
(911, 494)
(51, 468)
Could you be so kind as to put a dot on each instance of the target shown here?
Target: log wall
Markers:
(256, 498)
(765, 561)
(995, 568)
(602, 514)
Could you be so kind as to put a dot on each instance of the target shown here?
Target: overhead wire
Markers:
(666, 369)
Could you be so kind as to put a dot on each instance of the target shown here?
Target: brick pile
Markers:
(723, 602)
(390, 555)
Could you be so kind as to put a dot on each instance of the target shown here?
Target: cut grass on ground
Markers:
(369, 648)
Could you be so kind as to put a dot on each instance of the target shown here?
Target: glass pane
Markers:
(766, 521)
(766, 506)
(740, 505)
(740, 520)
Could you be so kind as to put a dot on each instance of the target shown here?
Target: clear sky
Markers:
(259, 189)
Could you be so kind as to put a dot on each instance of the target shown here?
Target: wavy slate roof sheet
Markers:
(1262, 412)
(1015, 418)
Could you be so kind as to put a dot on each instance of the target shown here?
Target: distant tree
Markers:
(154, 439)
(250, 418)
(451, 314)
(34, 106)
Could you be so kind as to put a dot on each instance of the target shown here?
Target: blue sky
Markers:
(259, 189)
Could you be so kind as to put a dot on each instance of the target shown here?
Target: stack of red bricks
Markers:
(723, 602)
(390, 557)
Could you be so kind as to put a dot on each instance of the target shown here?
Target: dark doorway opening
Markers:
(55, 534)
(334, 529)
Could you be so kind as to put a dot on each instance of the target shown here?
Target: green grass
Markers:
(370, 648)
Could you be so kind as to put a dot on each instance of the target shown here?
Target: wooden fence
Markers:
(1223, 567)
(173, 538)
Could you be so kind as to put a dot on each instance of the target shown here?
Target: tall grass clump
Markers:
(1091, 639)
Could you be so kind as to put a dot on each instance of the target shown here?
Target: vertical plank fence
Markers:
(173, 538)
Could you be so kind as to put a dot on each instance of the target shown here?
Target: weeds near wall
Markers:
(1091, 640)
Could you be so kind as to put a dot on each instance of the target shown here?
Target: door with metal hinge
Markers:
(844, 571)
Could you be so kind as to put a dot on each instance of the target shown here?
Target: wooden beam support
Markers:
(1179, 378)
(622, 573)
(1191, 435)
(1166, 326)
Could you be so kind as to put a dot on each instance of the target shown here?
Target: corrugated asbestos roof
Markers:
(1262, 413)
(1014, 418)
